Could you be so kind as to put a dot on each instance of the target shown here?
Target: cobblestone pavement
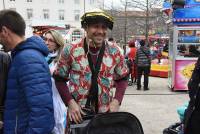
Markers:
(156, 108)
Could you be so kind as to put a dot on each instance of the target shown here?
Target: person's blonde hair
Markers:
(59, 40)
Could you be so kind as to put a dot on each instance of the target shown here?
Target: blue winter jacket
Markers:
(29, 104)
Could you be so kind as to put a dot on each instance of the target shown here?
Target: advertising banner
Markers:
(183, 72)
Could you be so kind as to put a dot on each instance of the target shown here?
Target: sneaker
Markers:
(130, 83)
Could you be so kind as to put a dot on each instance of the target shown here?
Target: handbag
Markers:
(60, 111)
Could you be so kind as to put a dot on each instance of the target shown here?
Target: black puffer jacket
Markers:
(4, 67)
(192, 114)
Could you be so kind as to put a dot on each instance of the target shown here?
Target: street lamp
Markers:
(84, 6)
(84, 13)
(125, 25)
(103, 4)
(4, 4)
(147, 22)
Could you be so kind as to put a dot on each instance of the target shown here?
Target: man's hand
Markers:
(1, 124)
(114, 105)
(74, 112)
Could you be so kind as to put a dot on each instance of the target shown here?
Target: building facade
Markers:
(51, 12)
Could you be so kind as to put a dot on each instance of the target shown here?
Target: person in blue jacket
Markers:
(28, 104)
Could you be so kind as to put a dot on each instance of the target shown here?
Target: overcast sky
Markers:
(117, 3)
(108, 3)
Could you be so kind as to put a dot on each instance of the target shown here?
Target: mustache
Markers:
(99, 34)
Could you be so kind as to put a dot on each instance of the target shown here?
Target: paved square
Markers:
(156, 108)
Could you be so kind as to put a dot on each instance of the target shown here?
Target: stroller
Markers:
(108, 123)
(174, 128)
(177, 128)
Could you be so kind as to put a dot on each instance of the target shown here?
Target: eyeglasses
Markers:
(49, 40)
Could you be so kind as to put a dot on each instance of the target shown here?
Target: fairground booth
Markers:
(159, 63)
(184, 46)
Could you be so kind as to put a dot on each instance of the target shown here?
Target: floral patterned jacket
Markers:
(74, 66)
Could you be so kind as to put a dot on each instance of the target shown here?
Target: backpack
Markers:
(4, 67)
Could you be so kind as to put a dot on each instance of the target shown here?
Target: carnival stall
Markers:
(159, 69)
(69, 35)
(185, 43)
(159, 63)
(159, 55)
(40, 30)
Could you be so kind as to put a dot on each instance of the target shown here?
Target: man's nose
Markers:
(101, 30)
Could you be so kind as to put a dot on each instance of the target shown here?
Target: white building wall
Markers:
(68, 6)
(1, 4)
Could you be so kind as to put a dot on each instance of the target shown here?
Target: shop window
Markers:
(188, 50)
(14, 9)
(77, 15)
(60, 1)
(29, 13)
(92, 2)
(46, 13)
(77, 1)
(61, 14)
(188, 43)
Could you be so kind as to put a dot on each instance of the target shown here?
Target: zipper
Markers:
(16, 123)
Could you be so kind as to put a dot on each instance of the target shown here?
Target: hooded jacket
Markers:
(29, 104)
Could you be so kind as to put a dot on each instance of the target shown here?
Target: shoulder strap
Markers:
(144, 52)
(149, 60)
(50, 60)
(93, 93)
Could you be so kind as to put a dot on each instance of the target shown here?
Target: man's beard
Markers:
(99, 41)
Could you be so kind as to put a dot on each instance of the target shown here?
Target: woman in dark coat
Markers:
(192, 114)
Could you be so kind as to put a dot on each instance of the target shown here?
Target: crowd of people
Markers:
(83, 74)
(139, 63)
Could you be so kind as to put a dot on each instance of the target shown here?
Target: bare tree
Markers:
(125, 24)
(135, 17)
(144, 5)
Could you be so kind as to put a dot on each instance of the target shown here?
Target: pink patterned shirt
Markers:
(74, 66)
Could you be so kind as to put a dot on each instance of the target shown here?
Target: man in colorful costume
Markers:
(92, 67)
